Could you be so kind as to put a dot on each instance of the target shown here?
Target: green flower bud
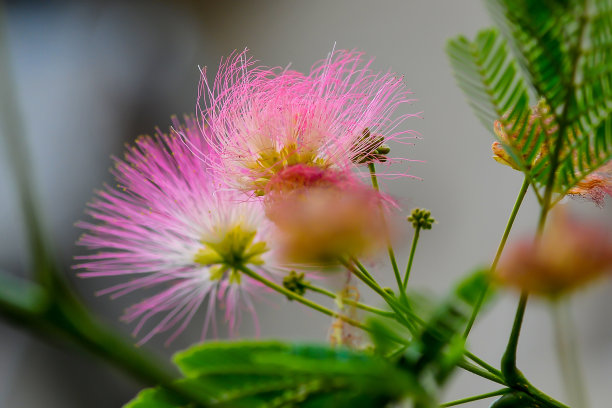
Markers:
(295, 283)
(421, 219)
(383, 149)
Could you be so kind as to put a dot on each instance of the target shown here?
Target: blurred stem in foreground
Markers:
(49, 308)
(567, 353)
(13, 132)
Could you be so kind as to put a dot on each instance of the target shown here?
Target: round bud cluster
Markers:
(295, 282)
(421, 219)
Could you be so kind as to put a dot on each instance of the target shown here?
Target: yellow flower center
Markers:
(236, 248)
(271, 161)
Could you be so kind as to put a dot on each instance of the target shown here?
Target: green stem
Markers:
(396, 272)
(362, 269)
(508, 365)
(415, 239)
(567, 353)
(401, 314)
(390, 251)
(367, 279)
(500, 249)
(542, 220)
(476, 398)
(292, 295)
(483, 363)
(350, 301)
(489, 372)
(512, 375)
(373, 177)
(543, 398)
(525, 386)
(480, 372)
(510, 223)
(409, 320)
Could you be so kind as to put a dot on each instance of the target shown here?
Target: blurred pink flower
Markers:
(263, 120)
(322, 215)
(569, 254)
(173, 230)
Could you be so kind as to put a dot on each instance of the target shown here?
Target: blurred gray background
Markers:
(91, 76)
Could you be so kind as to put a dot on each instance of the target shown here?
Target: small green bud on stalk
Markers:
(295, 283)
(421, 219)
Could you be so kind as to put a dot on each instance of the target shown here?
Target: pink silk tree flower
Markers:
(568, 255)
(324, 215)
(173, 230)
(263, 120)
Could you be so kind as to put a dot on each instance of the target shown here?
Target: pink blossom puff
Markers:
(324, 216)
(168, 226)
(263, 120)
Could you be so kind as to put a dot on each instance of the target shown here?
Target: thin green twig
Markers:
(467, 366)
(402, 315)
(476, 398)
(11, 127)
(483, 363)
(294, 296)
(362, 268)
(415, 239)
(390, 251)
(500, 249)
(508, 366)
(351, 302)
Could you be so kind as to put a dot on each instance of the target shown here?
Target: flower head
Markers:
(170, 226)
(568, 255)
(264, 120)
(322, 216)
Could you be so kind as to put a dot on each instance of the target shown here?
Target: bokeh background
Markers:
(90, 76)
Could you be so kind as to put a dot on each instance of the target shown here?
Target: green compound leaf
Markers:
(542, 33)
(593, 102)
(584, 157)
(226, 357)
(589, 117)
(488, 75)
(566, 56)
(269, 374)
(156, 398)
